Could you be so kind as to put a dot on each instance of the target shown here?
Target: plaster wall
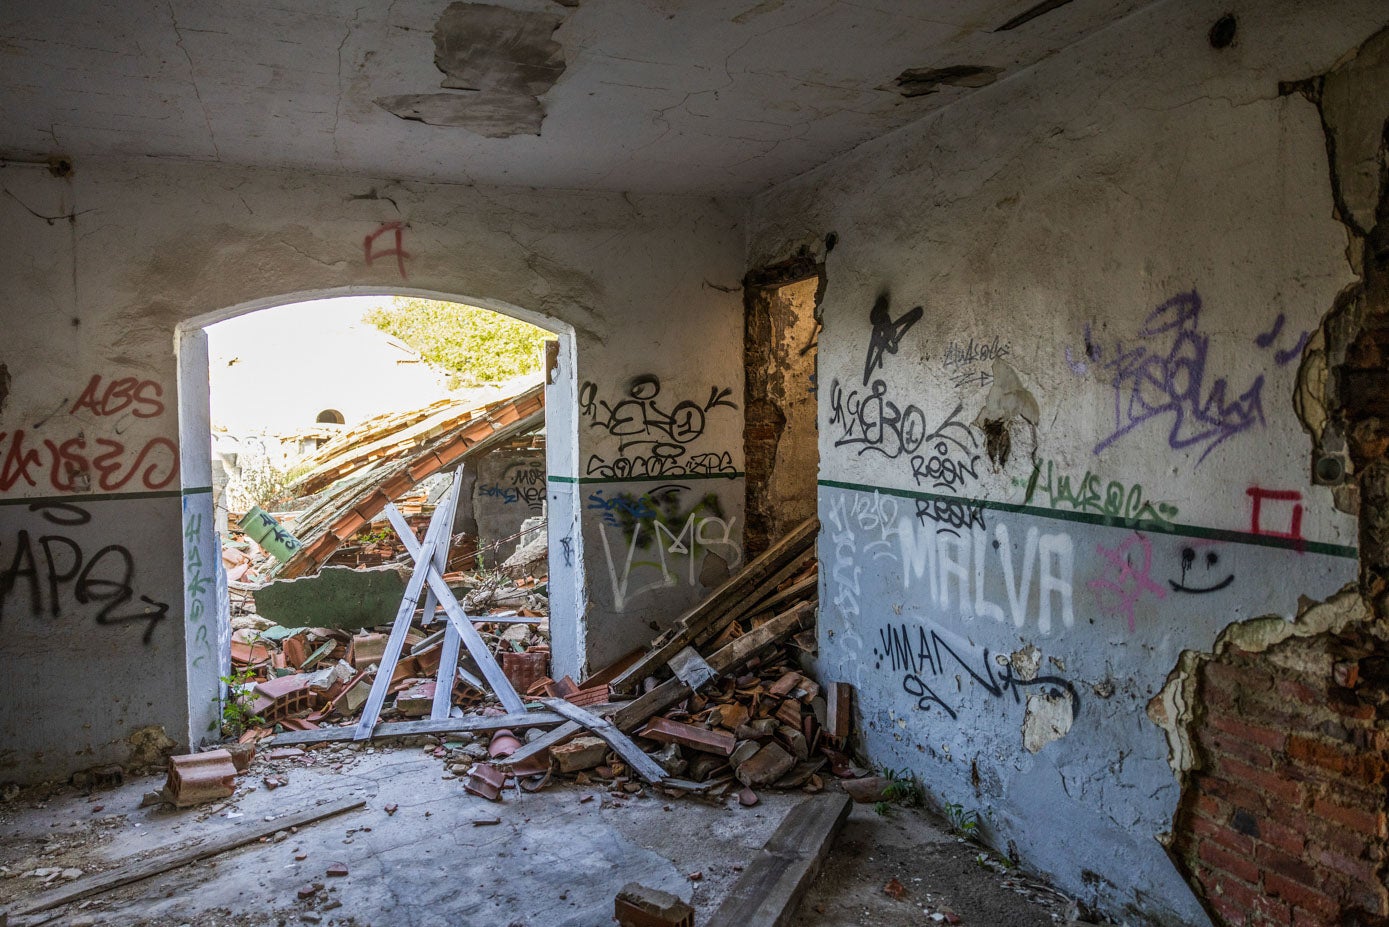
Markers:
(510, 488)
(1079, 456)
(108, 263)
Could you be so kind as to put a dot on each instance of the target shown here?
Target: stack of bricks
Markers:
(1283, 822)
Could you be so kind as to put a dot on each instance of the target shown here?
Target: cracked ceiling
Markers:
(681, 96)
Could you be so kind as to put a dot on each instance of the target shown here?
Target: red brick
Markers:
(1300, 896)
(1276, 862)
(1249, 733)
(1221, 744)
(1362, 821)
(1336, 757)
(1237, 796)
(1220, 832)
(1358, 870)
(1223, 860)
(1236, 893)
(1282, 837)
(1272, 911)
(1299, 692)
(1269, 781)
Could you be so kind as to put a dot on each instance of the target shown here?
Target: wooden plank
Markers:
(773, 883)
(726, 658)
(790, 594)
(642, 764)
(751, 603)
(552, 738)
(699, 619)
(459, 620)
(380, 686)
(406, 728)
(182, 856)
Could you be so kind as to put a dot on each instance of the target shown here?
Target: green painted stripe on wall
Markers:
(1107, 521)
(79, 498)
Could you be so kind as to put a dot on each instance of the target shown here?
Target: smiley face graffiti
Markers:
(1192, 574)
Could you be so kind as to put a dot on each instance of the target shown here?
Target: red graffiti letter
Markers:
(1294, 532)
(369, 250)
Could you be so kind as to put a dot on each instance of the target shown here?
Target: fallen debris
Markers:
(639, 906)
(200, 777)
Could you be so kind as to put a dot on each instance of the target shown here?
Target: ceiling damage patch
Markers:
(496, 64)
(918, 82)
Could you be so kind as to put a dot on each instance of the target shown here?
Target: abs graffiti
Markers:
(921, 657)
(49, 575)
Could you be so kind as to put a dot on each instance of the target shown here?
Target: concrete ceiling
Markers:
(694, 96)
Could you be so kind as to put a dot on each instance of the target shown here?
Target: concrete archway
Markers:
(205, 595)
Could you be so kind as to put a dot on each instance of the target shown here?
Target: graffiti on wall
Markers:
(521, 483)
(663, 538)
(373, 248)
(1165, 374)
(957, 570)
(858, 531)
(656, 436)
(1128, 577)
(70, 463)
(921, 658)
(48, 573)
(1090, 494)
(969, 362)
(199, 580)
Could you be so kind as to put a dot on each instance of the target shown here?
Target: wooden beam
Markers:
(772, 885)
(182, 856)
(635, 757)
(706, 614)
(474, 723)
(731, 655)
(439, 531)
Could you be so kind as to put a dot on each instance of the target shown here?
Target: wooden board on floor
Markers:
(641, 764)
(773, 883)
(405, 728)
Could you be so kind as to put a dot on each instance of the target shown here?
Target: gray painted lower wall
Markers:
(1008, 662)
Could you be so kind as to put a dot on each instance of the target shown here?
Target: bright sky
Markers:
(274, 370)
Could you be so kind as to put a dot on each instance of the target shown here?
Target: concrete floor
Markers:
(555, 859)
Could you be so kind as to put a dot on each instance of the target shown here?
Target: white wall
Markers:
(155, 245)
(1005, 635)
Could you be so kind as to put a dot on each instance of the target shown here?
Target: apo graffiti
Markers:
(50, 575)
(655, 438)
(920, 657)
(74, 464)
(1165, 373)
(1092, 495)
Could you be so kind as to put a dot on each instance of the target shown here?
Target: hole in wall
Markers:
(1222, 34)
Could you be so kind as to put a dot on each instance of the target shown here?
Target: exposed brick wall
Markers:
(1283, 822)
(778, 347)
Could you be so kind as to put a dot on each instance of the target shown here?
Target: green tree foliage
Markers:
(475, 346)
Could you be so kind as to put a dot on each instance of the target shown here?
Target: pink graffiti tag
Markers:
(1128, 583)
(369, 245)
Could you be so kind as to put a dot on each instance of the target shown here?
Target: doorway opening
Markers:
(327, 444)
(781, 440)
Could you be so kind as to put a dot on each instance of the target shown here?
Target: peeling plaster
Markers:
(1174, 708)
(1048, 718)
(1008, 401)
(502, 60)
(918, 82)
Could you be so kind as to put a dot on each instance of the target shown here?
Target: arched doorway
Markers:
(205, 592)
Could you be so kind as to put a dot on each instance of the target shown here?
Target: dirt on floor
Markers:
(422, 852)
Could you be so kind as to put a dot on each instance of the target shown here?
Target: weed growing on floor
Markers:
(964, 822)
(237, 713)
